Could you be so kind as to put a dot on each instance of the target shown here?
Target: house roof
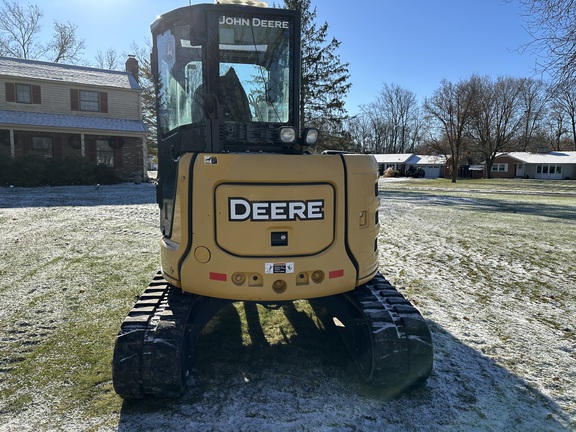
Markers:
(410, 159)
(554, 157)
(59, 121)
(80, 75)
(393, 158)
(426, 160)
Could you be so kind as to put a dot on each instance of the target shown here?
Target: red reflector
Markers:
(336, 274)
(218, 276)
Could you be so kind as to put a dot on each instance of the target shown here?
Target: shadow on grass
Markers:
(306, 381)
(78, 196)
(486, 205)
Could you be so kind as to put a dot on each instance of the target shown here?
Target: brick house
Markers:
(555, 165)
(60, 110)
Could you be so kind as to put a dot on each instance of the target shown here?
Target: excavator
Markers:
(248, 211)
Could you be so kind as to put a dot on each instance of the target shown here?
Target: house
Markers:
(555, 165)
(430, 166)
(395, 161)
(60, 110)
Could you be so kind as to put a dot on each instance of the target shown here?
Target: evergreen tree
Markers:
(146, 81)
(325, 80)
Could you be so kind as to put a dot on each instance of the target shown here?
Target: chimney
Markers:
(132, 66)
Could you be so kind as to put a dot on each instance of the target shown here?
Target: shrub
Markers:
(33, 170)
(105, 175)
(30, 170)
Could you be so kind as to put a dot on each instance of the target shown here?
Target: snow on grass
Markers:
(493, 274)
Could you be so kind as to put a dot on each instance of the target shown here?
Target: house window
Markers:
(500, 167)
(549, 169)
(43, 146)
(555, 169)
(24, 93)
(104, 153)
(89, 101)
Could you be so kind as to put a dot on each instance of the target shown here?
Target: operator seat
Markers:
(233, 98)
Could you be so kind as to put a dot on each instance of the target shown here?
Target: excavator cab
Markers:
(247, 213)
(227, 79)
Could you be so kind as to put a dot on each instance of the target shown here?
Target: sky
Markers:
(414, 44)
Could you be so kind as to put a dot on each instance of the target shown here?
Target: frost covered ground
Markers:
(493, 273)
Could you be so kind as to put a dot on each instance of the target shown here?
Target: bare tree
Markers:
(564, 97)
(497, 116)
(556, 127)
(450, 109)
(19, 28)
(369, 132)
(376, 130)
(360, 134)
(395, 118)
(552, 26)
(108, 59)
(404, 116)
(534, 103)
(20, 32)
(65, 44)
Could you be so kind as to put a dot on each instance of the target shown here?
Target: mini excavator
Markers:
(248, 213)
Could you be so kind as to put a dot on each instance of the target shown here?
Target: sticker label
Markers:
(279, 267)
(210, 160)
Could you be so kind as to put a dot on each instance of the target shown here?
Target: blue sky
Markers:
(411, 43)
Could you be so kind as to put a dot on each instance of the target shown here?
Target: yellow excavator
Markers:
(248, 213)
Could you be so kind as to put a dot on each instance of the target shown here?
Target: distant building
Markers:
(555, 165)
(428, 166)
(60, 110)
(395, 161)
(431, 165)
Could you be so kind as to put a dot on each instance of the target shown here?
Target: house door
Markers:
(520, 170)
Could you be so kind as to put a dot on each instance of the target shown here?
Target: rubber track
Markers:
(401, 345)
(390, 343)
(152, 352)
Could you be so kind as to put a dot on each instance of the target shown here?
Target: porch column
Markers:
(12, 144)
(82, 145)
(145, 157)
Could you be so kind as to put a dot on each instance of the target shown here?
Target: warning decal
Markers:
(279, 267)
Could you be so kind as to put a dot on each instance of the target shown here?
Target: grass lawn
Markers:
(523, 186)
(489, 262)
